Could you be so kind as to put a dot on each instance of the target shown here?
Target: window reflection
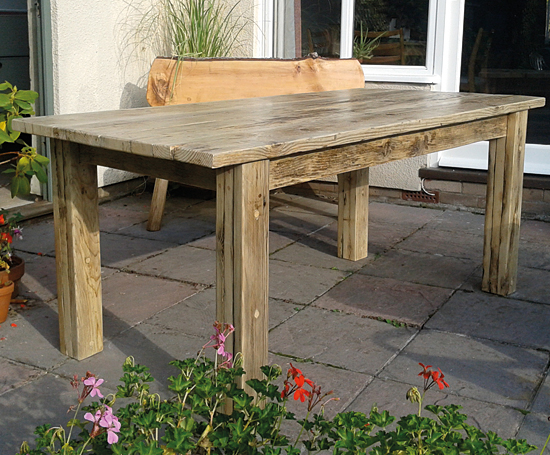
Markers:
(506, 50)
(405, 22)
(315, 26)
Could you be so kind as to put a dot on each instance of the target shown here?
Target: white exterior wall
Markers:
(95, 68)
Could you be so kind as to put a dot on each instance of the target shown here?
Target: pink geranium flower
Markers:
(94, 383)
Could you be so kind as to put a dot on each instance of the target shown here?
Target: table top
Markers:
(225, 133)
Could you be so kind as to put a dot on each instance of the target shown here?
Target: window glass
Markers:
(506, 49)
(390, 32)
(401, 27)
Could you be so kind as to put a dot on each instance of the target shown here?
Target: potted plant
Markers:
(6, 291)
(363, 47)
(12, 267)
(16, 103)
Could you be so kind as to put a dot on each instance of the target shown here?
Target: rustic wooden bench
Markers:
(203, 80)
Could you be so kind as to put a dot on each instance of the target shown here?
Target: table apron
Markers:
(324, 163)
(290, 170)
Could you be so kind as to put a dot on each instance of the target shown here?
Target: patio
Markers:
(423, 272)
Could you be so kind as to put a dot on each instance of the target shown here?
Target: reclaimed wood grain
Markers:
(77, 247)
(158, 202)
(242, 228)
(503, 209)
(324, 163)
(201, 80)
(237, 131)
(353, 214)
(175, 171)
(173, 81)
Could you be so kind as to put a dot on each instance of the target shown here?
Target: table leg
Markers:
(242, 229)
(78, 263)
(503, 207)
(353, 214)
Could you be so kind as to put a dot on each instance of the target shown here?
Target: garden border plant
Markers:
(196, 419)
(14, 104)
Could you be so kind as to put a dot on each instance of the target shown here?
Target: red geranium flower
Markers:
(301, 394)
(438, 379)
(425, 373)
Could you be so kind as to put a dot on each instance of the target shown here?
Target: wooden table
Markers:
(243, 149)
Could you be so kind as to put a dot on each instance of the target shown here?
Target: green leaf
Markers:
(5, 85)
(26, 95)
(20, 185)
(11, 170)
(5, 100)
(4, 137)
(23, 104)
(23, 165)
(39, 172)
(41, 160)
(144, 449)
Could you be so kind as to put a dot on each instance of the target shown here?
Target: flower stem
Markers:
(84, 446)
(75, 413)
(302, 429)
(545, 444)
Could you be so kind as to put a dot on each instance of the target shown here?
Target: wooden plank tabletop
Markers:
(224, 133)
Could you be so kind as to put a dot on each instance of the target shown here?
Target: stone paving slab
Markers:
(276, 241)
(39, 281)
(121, 250)
(116, 219)
(483, 315)
(149, 345)
(433, 241)
(534, 255)
(422, 268)
(175, 229)
(122, 290)
(195, 315)
(389, 396)
(415, 217)
(356, 344)
(14, 375)
(297, 222)
(382, 237)
(314, 251)
(535, 232)
(531, 284)
(541, 404)
(481, 369)
(37, 238)
(492, 378)
(184, 263)
(535, 430)
(293, 203)
(299, 284)
(35, 339)
(384, 298)
(459, 222)
(204, 211)
(45, 400)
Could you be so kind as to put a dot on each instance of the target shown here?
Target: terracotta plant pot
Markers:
(17, 270)
(5, 297)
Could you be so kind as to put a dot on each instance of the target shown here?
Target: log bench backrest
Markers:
(201, 80)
